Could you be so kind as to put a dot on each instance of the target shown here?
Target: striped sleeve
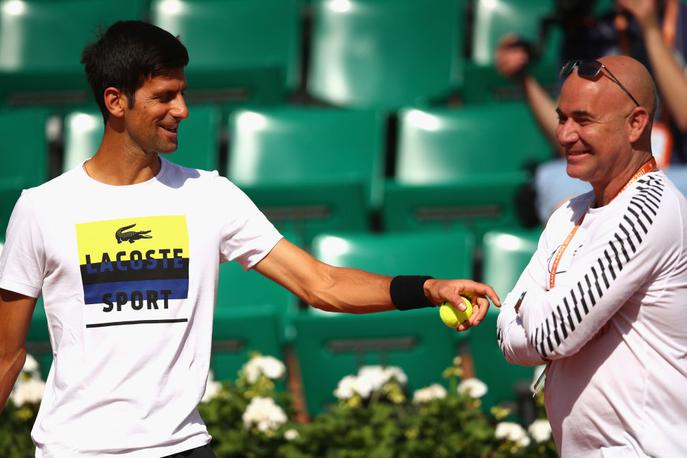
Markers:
(618, 260)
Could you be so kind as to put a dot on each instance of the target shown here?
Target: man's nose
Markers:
(567, 133)
(179, 109)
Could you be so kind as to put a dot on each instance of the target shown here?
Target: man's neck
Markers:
(608, 191)
(122, 166)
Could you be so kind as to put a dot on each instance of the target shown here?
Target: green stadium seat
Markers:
(199, 137)
(41, 44)
(493, 19)
(452, 166)
(240, 331)
(238, 288)
(23, 155)
(506, 254)
(330, 346)
(83, 130)
(309, 169)
(445, 254)
(386, 53)
(241, 50)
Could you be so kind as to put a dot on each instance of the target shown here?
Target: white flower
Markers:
(395, 373)
(30, 391)
(346, 387)
(473, 387)
(268, 366)
(434, 391)
(291, 434)
(377, 376)
(30, 365)
(212, 388)
(540, 430)
(264, 414)
(512, 432)
(368, 380)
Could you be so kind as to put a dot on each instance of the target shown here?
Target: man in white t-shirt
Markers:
(602, 301)
(125, 250)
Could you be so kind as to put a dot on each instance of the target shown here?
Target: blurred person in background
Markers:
(652, 31)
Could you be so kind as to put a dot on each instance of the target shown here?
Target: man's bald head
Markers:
(636, 79)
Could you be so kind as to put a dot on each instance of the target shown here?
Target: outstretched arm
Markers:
(339, 289)
(670, 78)
(511, 61)
(15, 317)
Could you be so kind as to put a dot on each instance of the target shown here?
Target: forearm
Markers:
(670, 78)
(512, 339)
(543, 109)
(15, 317)
(349, 290)
(11, 364)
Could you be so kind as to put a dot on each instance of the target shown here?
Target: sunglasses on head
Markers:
(591, 69)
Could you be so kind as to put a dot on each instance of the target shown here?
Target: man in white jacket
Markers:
(602, 301)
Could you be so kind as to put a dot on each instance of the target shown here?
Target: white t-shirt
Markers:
(613, 329)
(128, 276)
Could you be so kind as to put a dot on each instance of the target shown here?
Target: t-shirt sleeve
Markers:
(22, 262)
(247, 236)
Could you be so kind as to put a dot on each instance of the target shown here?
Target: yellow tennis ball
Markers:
(451, 316)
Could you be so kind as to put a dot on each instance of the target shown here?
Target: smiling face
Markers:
(159, 107)
(593, 130)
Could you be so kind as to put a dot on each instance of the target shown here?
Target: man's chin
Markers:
(168, 149)
(576, 172)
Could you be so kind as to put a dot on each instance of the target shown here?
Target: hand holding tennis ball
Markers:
(451, 316)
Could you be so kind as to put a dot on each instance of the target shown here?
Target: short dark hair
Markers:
(126, 55)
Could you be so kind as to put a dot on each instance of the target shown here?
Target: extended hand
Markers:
(644, 11)
(438, 291)
(511, 59)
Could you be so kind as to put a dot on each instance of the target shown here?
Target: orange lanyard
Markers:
(648, 166)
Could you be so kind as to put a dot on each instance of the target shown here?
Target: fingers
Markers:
(510, 58)
(480, 307)
(479, 311)
(474, 289)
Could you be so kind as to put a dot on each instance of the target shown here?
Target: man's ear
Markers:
(638, 122)
(115, 101)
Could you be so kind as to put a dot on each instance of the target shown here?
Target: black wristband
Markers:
(407, 292)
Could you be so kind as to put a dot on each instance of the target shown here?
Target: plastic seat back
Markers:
(446, 145)
(462, 166)
(41, 44)
(23, 155)
(308, 169)
(386, 53)
(239, 49)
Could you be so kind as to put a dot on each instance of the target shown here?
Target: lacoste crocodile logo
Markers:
(123, 234)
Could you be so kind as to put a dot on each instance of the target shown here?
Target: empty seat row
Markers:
(254, 314)
(316, 169)
(359, 53)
